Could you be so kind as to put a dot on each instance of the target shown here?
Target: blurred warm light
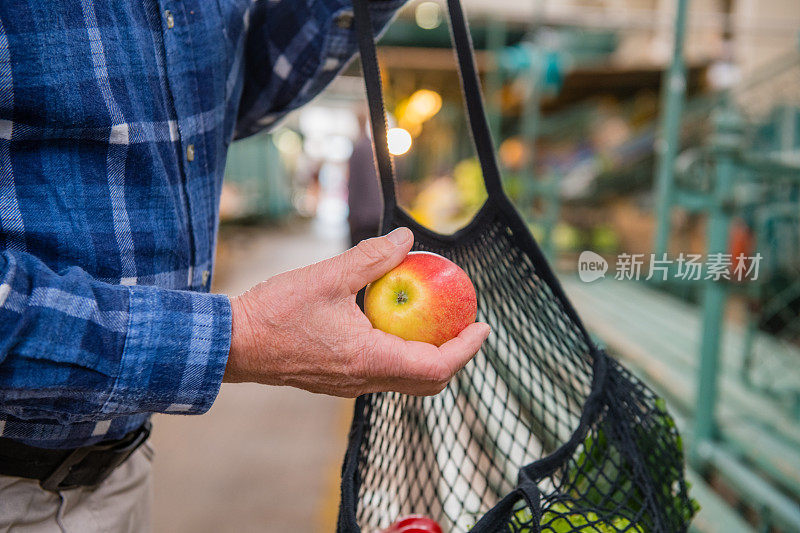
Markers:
(399, 141)
(424, 103)
(288, 142)
(513, 153)
(428, 15)
(414, 128)
(418, 108)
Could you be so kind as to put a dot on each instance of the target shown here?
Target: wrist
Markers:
(236, 370)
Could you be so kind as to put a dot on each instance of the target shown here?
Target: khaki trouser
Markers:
(121, 504)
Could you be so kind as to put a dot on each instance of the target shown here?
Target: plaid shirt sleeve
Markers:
(74, 349)
(303, 54)
(80, 351)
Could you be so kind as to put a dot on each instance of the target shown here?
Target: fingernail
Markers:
(399, 236)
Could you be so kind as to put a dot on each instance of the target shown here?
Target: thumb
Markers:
(372, 258)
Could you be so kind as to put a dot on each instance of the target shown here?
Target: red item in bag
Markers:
(415, 523)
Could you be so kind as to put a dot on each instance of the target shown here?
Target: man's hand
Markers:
(303, 328)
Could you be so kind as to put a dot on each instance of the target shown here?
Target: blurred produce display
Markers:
(448, 202)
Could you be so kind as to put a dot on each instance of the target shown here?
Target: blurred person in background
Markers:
(115, 118)
(363, 189)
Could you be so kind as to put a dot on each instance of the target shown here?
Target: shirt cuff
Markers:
(175, 352)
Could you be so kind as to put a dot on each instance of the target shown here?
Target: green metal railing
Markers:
(673, 93)
(726, 142)
(713, 185)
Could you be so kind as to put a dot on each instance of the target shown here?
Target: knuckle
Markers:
(370, 252)
(323, 279)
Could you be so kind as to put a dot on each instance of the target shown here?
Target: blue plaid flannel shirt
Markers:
(115, 119)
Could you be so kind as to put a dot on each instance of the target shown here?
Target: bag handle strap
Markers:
(470, 86)
(377, 112)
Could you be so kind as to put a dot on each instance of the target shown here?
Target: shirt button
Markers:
(206, 274)
(170, 19)
(344, 20)
(190, 153)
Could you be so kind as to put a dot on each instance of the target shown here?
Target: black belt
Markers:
(56, 470)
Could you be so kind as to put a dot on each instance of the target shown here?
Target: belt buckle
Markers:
(122, 449)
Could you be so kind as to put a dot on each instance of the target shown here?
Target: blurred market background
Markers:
(623, 127)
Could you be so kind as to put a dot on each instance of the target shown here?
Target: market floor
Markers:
(263, 459)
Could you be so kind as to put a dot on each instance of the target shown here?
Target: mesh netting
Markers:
(541, 431)
(519, 405)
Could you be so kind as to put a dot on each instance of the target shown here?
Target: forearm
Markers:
(75, 349)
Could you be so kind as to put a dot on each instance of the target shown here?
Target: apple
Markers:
(415, 523)
(425, 298)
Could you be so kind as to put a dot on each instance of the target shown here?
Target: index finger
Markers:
(459, 351)
(420, 361)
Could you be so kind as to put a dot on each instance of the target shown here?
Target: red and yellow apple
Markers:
(425, 298)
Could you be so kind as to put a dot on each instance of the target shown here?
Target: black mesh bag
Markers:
(542, 431)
